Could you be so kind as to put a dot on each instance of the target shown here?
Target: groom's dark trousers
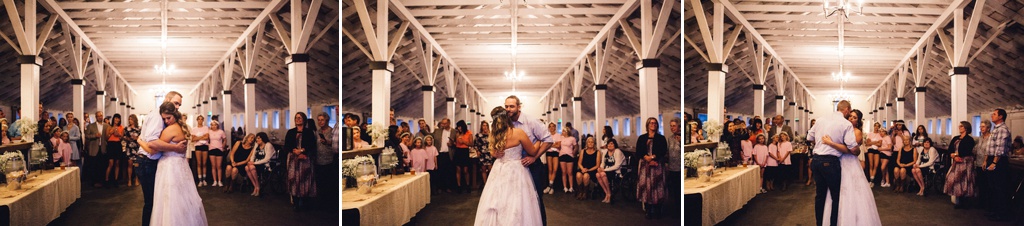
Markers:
(145, 168)
(827, 175)
(539, 172)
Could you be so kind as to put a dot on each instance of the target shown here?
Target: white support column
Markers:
(958, 77)
(900, 108)
(78, 98)
(788, 114)
(649, 88)
(919, 105)
(577, 111)
(101, 79)
(600, 104)
(381, 93)
(780, 106)
(450, 108)
(428, 103)
(298, 90)
(758, 99)
(30, 86)
(250, 105)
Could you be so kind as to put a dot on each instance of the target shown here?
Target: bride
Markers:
(175, 199)
(509, 197)
(856, 201)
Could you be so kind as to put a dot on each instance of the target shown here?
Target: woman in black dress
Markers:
(588, 163)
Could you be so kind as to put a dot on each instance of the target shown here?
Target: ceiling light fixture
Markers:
(515, 75)
(844, 8)
(163, 69)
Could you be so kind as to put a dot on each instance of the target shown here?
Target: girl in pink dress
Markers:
(761, 157)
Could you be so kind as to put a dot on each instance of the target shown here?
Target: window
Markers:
(265, 121)
(639, 126)
(615, 125)
(930, 130)
(414, 126)
(277, 120)
(288, 119)
(256, 121)
(627, 127)
(559, 126)
(938, 126)
(949, 126)
(977, 125)
(661, 127)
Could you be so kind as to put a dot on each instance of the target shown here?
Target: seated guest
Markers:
(1018, 145)
(588, 163)
(906, 158)
(926, 158)
(257, 163)
(237, 159)
(613, 159)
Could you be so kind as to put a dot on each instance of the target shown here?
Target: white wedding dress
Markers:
(175, 199)
(856, 202)
(509, 197)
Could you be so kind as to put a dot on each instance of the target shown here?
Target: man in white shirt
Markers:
(444, 144)
(146, 162)
(825, 164)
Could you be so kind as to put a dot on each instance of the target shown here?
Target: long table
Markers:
(42, 198)
(708, 203)
(392, 202)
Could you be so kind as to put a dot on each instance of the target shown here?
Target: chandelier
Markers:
(844, 8)
(163, 69)
(515, 75)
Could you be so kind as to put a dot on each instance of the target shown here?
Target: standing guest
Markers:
(238, 159)
(874, 142)
(201, 139)
(430, 163)
(552, 158)
(115, 151)
(326, 164)
(589, 163)
(444, 142)
(925, 162)
(695, 134)
(63, 155)
(3, 132)
(566, 156)
(996, 171)
(217, 139)
(418, 156)
(960, 179)
(257, 164)
(771, 165)
(481, 143)
(357, 142)
(920, 134)
(611, 165)
(406, 149)
(74, 136)
(756, 128)
(906, 159)
(574, 133)
(651, 183)
(738, 134)
(131, 144)
(980, 156)
(352, 121)
(424, 129)
(779, 127)
(463, 139)
(301, 143)
(62, 124)
(782, 153)
(607, 135)
(885, 155)
(673, 175)
(402, 128)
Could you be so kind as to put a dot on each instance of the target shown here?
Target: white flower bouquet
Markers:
(27, 128)
(693, 159)
(713, 128)
(349, 165)
(379, 134)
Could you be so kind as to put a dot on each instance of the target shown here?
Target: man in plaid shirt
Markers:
(995, 168)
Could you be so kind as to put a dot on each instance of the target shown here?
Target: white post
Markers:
(758, 99)
(78, 98)
(381, 95)
(428, 103)
(599, 105)
(919, 105)
(30, 86)
(250, 105)
(297, 89)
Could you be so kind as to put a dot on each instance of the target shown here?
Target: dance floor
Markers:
(796, 207)
(562, 209)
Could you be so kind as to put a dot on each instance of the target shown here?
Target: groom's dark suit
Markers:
(825, 164)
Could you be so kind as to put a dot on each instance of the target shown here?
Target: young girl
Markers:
(565, 159)
(771, 170)
(418, 156)
(552, 157)
(431, 164)
(761, 157)
(786, 171)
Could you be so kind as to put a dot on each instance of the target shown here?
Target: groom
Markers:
(145, 162)
(825, 164)
(542, 141)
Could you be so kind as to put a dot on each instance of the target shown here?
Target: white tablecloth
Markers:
(392, 202)
(43, 198)
(727, 192)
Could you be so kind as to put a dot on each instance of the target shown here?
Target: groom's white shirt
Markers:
(836, 127)
(533, 128)
(151, 129)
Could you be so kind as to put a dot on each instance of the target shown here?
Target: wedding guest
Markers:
(588, 163)
(301, 143)
(783, 151)
(606, 135)
(611, 165)
(406, 149)
(756, 128)
(74, 136)
(960, 179)
(463, 139)
(257, 163)
(920, 134)
(761, 159)
(432, 156)
(771, 167)
(131, 144)
(481, 144)
(566, 157)
(115, 151)
(695, 134)
(1018, 145)
(444, 141)
(873, 142)
(927, 155)
(979, 160)
(651, 147)
(906, 159)
(424, 129)
(3, 132)
(201, 139)
(673, 175)
(326, 163)
(216, 154)
(63, 155)
(552, 158)
(574, 133)
(238, 158)
(357, 142)
(996, 168)
(95, 160)
(885, 155)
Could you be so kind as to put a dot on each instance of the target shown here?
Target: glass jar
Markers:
(388, 160)
(706, 166)
(15, 172)
(366, 176)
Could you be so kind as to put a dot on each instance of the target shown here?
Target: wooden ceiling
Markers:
(878, 43)
(552, 36)
(200, 33)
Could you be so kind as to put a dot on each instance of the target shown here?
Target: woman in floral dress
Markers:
(481, 144)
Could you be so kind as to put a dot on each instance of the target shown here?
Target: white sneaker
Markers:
(566, 190)
(546, 190)
(871, 184)
(202, 183)
(551, 192)
(571, 190)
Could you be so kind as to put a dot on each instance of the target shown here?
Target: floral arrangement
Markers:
(27, 128)
(379, 133)
(38, 153)
(713, 129)
(349, 165)
(6, 157)
(388, 159)
(692, 159)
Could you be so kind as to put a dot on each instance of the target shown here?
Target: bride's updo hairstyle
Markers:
(170, 109)
(500, 129)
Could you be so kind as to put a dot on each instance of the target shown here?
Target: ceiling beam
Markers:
(270, 10)
(53, 7)
(937, 24)
(503, 11)
(478, 2)
(171, 5)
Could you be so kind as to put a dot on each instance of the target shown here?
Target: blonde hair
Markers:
(500, 128)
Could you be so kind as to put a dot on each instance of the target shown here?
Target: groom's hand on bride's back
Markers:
(180, 147)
